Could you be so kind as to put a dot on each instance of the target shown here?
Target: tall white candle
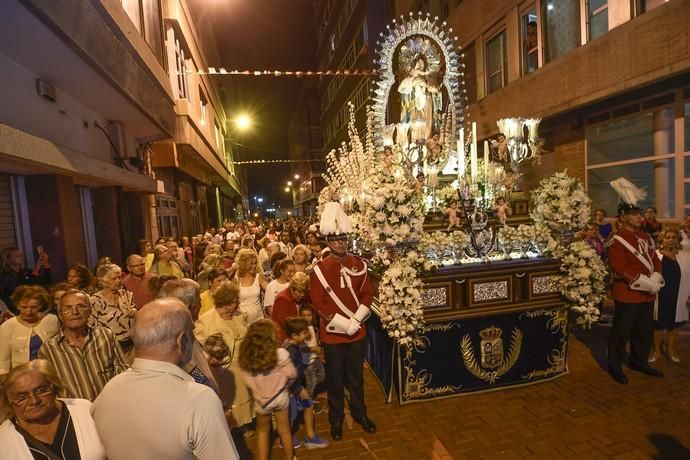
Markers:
(486, 160)
(473, 153)
(461, 154)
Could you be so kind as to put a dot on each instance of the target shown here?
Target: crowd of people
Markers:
(208, 339)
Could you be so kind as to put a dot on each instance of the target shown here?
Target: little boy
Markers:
(314, 372)
(297, 331)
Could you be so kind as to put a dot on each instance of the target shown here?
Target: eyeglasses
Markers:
(77, 307)
(39, 392)
(137, 265)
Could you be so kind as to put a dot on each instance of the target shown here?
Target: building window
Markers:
(181, 68)
(133, 10)
(147, 18)
(530, 40)
(639, 147)
(561, 27)
(598, 18)
(687, 130)
(496, 63)
(648, 5)
(203, 103)
(218, 135)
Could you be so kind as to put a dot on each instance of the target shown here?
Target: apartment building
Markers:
(198, 184)
(84, 93)
(611, 80)
(305, 142)
(89, 95)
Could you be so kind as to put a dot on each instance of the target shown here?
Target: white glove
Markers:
(339, 324)
(362, 313)
(353, 327)
(645, 284)
(658, 279)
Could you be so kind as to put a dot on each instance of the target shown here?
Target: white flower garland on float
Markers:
(561, 204)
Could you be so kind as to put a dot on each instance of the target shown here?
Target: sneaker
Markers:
(296, 443)
(315, 443)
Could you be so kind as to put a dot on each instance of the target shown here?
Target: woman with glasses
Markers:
(39, 425)
(164, 262)
(22, 336)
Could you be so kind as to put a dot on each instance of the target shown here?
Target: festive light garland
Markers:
(254, 162)
(282, 73)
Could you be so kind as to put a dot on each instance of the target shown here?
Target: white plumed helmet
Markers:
(334, 221)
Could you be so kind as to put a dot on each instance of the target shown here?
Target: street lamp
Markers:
(243, 122)
(289, 183)
(296, 176)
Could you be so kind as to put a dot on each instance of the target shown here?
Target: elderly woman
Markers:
(79, 277)
(671, 310)
(301, 256)
(164, 262)
(227, 320)
(283, 270)
(39, 424)
(113, 306)
(56, 294)
(288, 301)
(215, 278)
(22, 336)
(250, 282)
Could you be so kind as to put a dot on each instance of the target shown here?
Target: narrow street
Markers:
(583, 415)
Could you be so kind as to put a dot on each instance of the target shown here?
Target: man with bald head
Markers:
(155, 409)
(137, 280)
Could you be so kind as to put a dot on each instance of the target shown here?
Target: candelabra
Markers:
(518, 146)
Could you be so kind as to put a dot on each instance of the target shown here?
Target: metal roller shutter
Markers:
(8, 236)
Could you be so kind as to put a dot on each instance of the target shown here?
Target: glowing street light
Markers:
(289, 183)
(287, 189)
(243, 122)
(296, 176)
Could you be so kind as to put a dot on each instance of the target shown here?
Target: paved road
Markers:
(582, 415)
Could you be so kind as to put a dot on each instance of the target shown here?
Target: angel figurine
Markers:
(502, 210)
(452, 211)
(537, 151)
(500, 146)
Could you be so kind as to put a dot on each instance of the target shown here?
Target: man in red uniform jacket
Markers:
(636, 281)
(341, 294)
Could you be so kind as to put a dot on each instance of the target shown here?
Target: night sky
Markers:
(259, 35)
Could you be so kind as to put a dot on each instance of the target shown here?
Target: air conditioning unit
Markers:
(116, 132)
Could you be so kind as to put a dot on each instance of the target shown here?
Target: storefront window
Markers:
(561, 27)
(621, 140)
(655, 176)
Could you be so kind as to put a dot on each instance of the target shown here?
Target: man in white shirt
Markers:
(155, 409)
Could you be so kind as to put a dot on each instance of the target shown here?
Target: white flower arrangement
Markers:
(435, 245)
(393, 212)
(561, 202)
(583, 281)
(400, 299)
(446, 195)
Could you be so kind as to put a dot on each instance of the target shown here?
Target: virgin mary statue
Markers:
(420, 99)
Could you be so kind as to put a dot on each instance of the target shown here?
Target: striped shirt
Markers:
(85, 371)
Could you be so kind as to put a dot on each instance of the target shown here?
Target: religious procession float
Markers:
(477, 286)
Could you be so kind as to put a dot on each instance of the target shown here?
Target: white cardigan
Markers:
(683, 259)
(14, 447)
(15, 338)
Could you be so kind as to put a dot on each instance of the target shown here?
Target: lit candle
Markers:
(473, 153)
(461, 154)
(486, 160)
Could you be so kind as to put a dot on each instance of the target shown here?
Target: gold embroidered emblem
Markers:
(493, 363)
